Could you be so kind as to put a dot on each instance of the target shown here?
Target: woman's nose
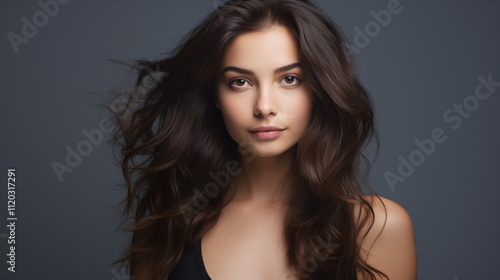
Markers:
(265, 103)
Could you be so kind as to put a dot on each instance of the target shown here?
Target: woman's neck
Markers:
(263, 180)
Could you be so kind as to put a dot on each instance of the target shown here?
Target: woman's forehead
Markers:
(262, 50)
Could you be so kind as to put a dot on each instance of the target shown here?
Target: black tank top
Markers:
(191, 266)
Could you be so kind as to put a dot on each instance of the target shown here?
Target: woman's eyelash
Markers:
(299, 80)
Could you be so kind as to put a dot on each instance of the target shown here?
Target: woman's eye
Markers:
(239, 82)
(290, 79)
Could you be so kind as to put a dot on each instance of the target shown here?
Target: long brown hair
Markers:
(176, 150)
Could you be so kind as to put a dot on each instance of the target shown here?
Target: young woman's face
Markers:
(261, 84)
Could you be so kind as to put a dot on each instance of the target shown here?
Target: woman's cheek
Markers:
(303, 110)
(234, 113)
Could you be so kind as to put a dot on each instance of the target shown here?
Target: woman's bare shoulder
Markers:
(384, 209)
(389, 245)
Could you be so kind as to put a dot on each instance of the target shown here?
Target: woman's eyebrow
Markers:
(248, 72)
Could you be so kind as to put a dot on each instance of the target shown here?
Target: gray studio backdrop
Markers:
(432, 68)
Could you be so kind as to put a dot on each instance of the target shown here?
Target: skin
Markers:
(391, 247)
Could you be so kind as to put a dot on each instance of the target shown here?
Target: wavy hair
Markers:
(174, 145)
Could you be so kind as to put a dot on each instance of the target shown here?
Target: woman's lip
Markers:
(266, 128)
(267, 135)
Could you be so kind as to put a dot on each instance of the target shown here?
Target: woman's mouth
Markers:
(267, 133)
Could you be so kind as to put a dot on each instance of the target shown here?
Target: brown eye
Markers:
(239, 82)
(290, 79)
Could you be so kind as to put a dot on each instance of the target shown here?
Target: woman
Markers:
(250, 148)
